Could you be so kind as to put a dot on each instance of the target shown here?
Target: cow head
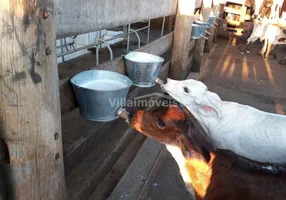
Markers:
(165, 125)
(173, 126)
(193, 94)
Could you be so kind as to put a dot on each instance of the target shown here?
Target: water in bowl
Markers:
(103, 85)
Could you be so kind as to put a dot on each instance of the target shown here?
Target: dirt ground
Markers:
(246, 79)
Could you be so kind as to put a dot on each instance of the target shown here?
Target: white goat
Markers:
(274, 35)
(258, 32)
(245, 130)
(258, 4)
(269, 31)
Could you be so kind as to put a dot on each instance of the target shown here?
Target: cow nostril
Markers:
(186, 90)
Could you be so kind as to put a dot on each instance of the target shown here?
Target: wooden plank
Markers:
(157, 47)
(75, 17)
(117, 171)
(135, 176)
(182, 37)
(30, 118)
(151, 178)
(80, 138)
(84, 179)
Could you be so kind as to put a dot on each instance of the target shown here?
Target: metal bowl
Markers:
(143, 68)
(197, 31)
(201, 23)
(211, 21)
(100, 93)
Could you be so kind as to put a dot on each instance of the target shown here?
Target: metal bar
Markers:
(62, 50)
(148, 33)
(128, 38)
(143, 28)
(138, 37)
(163, 26)
(96, 43)
(100, 36)
(204, 37)
(108, 46)
(124, 31)
(97, 55)
(90, 45)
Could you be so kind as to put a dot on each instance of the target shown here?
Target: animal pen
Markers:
(48, 149)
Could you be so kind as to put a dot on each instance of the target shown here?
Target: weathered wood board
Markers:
(75, 17)
(30, 118)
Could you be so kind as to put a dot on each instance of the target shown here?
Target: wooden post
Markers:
(218, 13)
(215, 31)
(220, 23)
(200, 43)
(30, 118)
(170, 24)
(182, 37)
(209, 42)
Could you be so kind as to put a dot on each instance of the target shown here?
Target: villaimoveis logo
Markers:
(149, 100)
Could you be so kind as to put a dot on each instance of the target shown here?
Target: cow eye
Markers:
(161, 124)
(186, 90)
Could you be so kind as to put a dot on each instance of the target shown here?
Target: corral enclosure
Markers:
(49, 151)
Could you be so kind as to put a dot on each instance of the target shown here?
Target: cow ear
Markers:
(185, 146)
(207, 109)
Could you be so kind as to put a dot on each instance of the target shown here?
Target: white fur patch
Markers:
(180, 159)
(247, 131)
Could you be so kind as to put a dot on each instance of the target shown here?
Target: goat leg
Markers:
(246, 47)
(263, 50)
(269, 46)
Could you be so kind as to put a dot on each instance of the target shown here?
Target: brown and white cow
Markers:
(209, 173)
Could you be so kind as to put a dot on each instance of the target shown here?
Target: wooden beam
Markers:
(75, 17)
(157, 47)
(182, 37)
(30, 118)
